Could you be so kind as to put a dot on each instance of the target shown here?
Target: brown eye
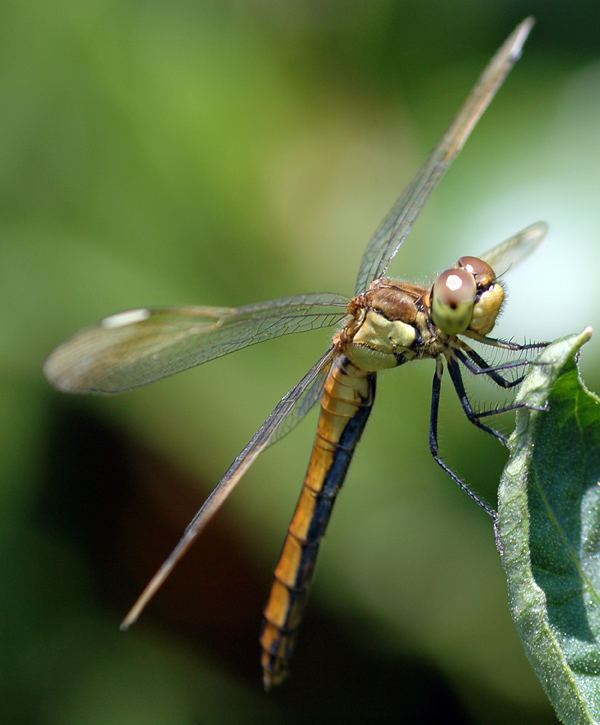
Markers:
(454, 295)
(481, 270)
(454, 287)
(490, 294)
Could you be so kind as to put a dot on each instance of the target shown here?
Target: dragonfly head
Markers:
(466, 297)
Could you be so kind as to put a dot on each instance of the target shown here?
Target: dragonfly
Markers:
(386, 324)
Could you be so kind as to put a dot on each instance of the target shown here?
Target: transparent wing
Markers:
(510, 252)
(288, 406)
(397, 224)
(134, 348)
(306, 400)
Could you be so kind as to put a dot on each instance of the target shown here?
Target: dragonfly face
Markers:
(386, 324)
(467, 297)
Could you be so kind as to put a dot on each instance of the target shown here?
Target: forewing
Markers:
(510, 252)
(134, 348)
(397, 224)
(288, 407)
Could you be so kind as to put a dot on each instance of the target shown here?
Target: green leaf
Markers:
(549, 531)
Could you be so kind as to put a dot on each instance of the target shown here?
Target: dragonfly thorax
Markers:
(390, 326)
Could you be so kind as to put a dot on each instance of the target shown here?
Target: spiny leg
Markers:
(492, 373)
(433, 440)
(485, 369)
(480, 367)
(457, 381)
(506, 344)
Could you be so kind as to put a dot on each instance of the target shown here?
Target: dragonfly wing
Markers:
(305, 401)
(397, 224)
(137, 347)
(266, 434)
(510, 252)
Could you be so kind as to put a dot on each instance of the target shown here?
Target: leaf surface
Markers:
(549, 531)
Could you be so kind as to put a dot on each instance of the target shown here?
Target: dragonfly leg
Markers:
(509, 345)
(472, 415)
(505, 344)
(478, 366)
(433, 440)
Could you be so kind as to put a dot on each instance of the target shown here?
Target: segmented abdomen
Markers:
(345, 407)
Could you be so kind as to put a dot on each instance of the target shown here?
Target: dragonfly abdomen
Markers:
(345, 408)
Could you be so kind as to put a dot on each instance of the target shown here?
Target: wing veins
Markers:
(233, 475)
(112, 357)
(399, 221)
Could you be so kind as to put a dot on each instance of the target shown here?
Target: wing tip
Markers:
(537, 231)
(517, 39)
(54, 373)
(69, 376)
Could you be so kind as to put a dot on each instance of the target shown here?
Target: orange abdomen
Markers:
(345, 407)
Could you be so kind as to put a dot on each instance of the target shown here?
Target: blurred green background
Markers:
(222, 153)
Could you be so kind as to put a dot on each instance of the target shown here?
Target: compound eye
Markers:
(454, 294)
(481, 270)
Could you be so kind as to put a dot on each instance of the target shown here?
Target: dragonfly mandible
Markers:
(386, 324)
